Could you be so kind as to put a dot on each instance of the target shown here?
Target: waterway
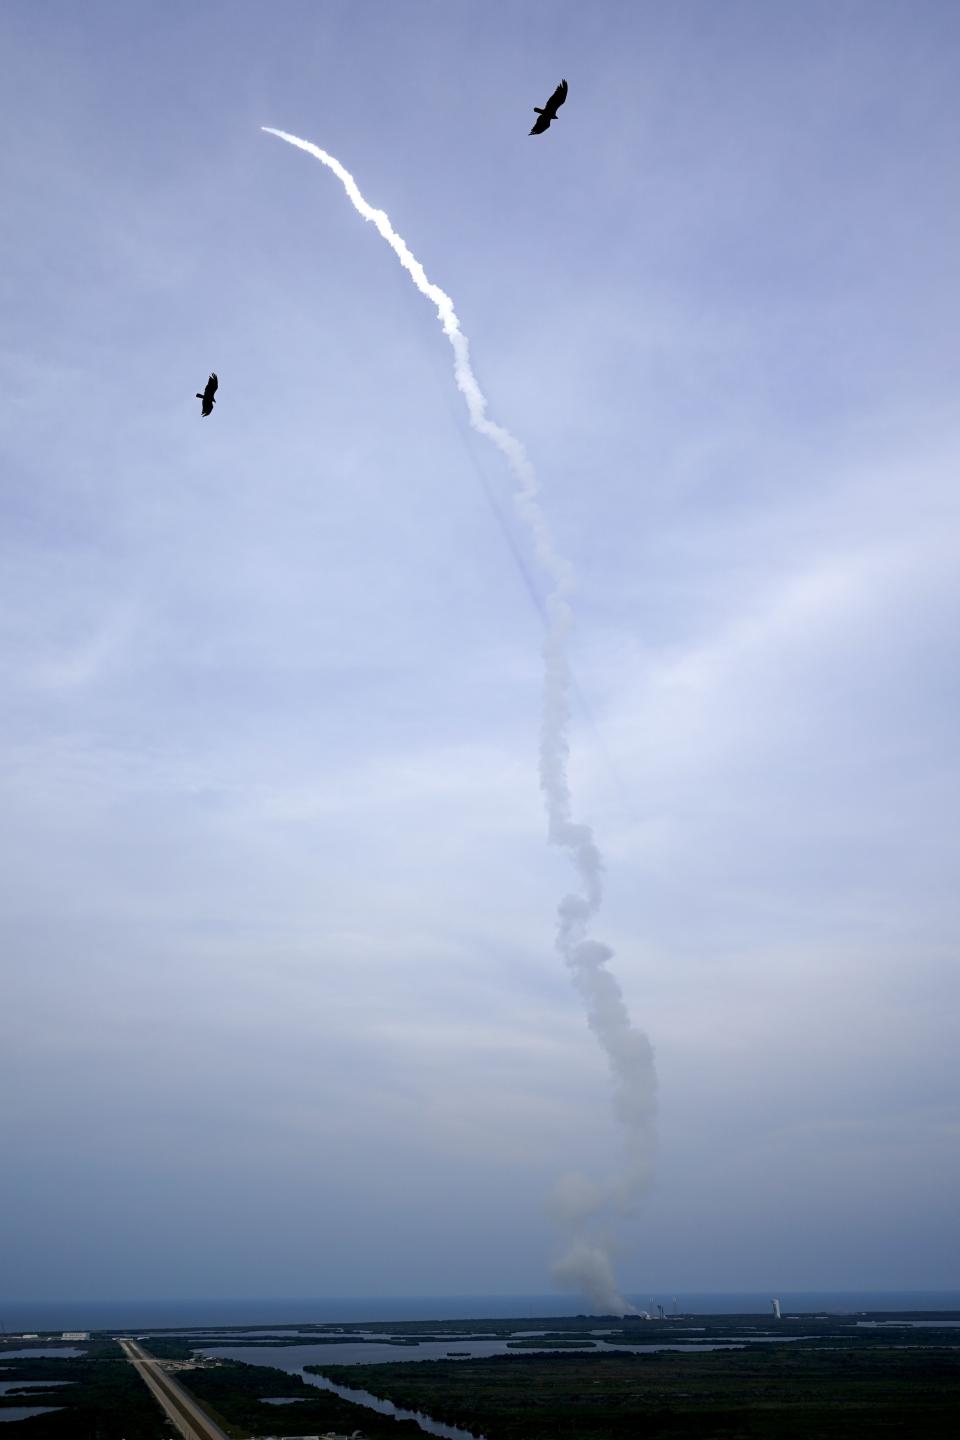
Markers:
(387, 1407)
(40, 1352)
(8, 1386)
(293, 1359)
(25, 1412)
(909, 1324)
(47, 1316)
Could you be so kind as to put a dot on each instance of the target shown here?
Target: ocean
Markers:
(141, 1314)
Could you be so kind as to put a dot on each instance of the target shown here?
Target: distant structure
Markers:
(660, 1312)
(775, 1306)
(75, 1335)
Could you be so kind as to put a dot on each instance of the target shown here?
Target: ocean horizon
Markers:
(48, 1315)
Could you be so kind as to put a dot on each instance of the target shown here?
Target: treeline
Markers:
(166, 1347)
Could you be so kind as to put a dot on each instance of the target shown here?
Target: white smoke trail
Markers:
(628, 1050)
(586, 1267)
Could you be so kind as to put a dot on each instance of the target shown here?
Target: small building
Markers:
(75, 1335)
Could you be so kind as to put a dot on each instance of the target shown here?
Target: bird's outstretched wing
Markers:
(549, 111)
(209, 390)
(556, 100)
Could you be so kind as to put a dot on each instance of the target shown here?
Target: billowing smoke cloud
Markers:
(628, 1051)
(586, 1268)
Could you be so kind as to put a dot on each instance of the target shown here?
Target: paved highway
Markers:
(181, 1408)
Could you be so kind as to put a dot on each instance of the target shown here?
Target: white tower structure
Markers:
(776, 1309)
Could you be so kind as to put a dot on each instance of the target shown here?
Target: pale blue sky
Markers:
(277, 908)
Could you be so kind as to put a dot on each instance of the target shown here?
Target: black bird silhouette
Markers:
(549, 111)
(209, 390)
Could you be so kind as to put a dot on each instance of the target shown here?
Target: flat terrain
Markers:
(237, 1393)
(103, 1397)
(179, 1406)
(815, 1377)
(787, 1392)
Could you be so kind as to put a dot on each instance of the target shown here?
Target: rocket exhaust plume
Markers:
(628, 1051)
(586, 1267)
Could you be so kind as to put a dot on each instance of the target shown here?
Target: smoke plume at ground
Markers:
(586, 1268)
(586, 1263)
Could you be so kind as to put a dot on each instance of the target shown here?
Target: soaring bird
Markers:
(209, 390)
(549, 111)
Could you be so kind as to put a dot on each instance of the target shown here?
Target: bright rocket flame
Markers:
(628, 1050)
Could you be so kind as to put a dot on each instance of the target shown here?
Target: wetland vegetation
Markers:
(99, 1393)
(833, 1377)
(236, 1393)
(790, 1392)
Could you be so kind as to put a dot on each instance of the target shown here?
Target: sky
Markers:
(282, 1012)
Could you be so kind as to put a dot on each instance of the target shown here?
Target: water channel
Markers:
(40, 1352)
(26, 1412)
(7, 1386)
(293, 1359)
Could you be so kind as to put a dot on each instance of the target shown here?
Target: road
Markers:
(180, 1407)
